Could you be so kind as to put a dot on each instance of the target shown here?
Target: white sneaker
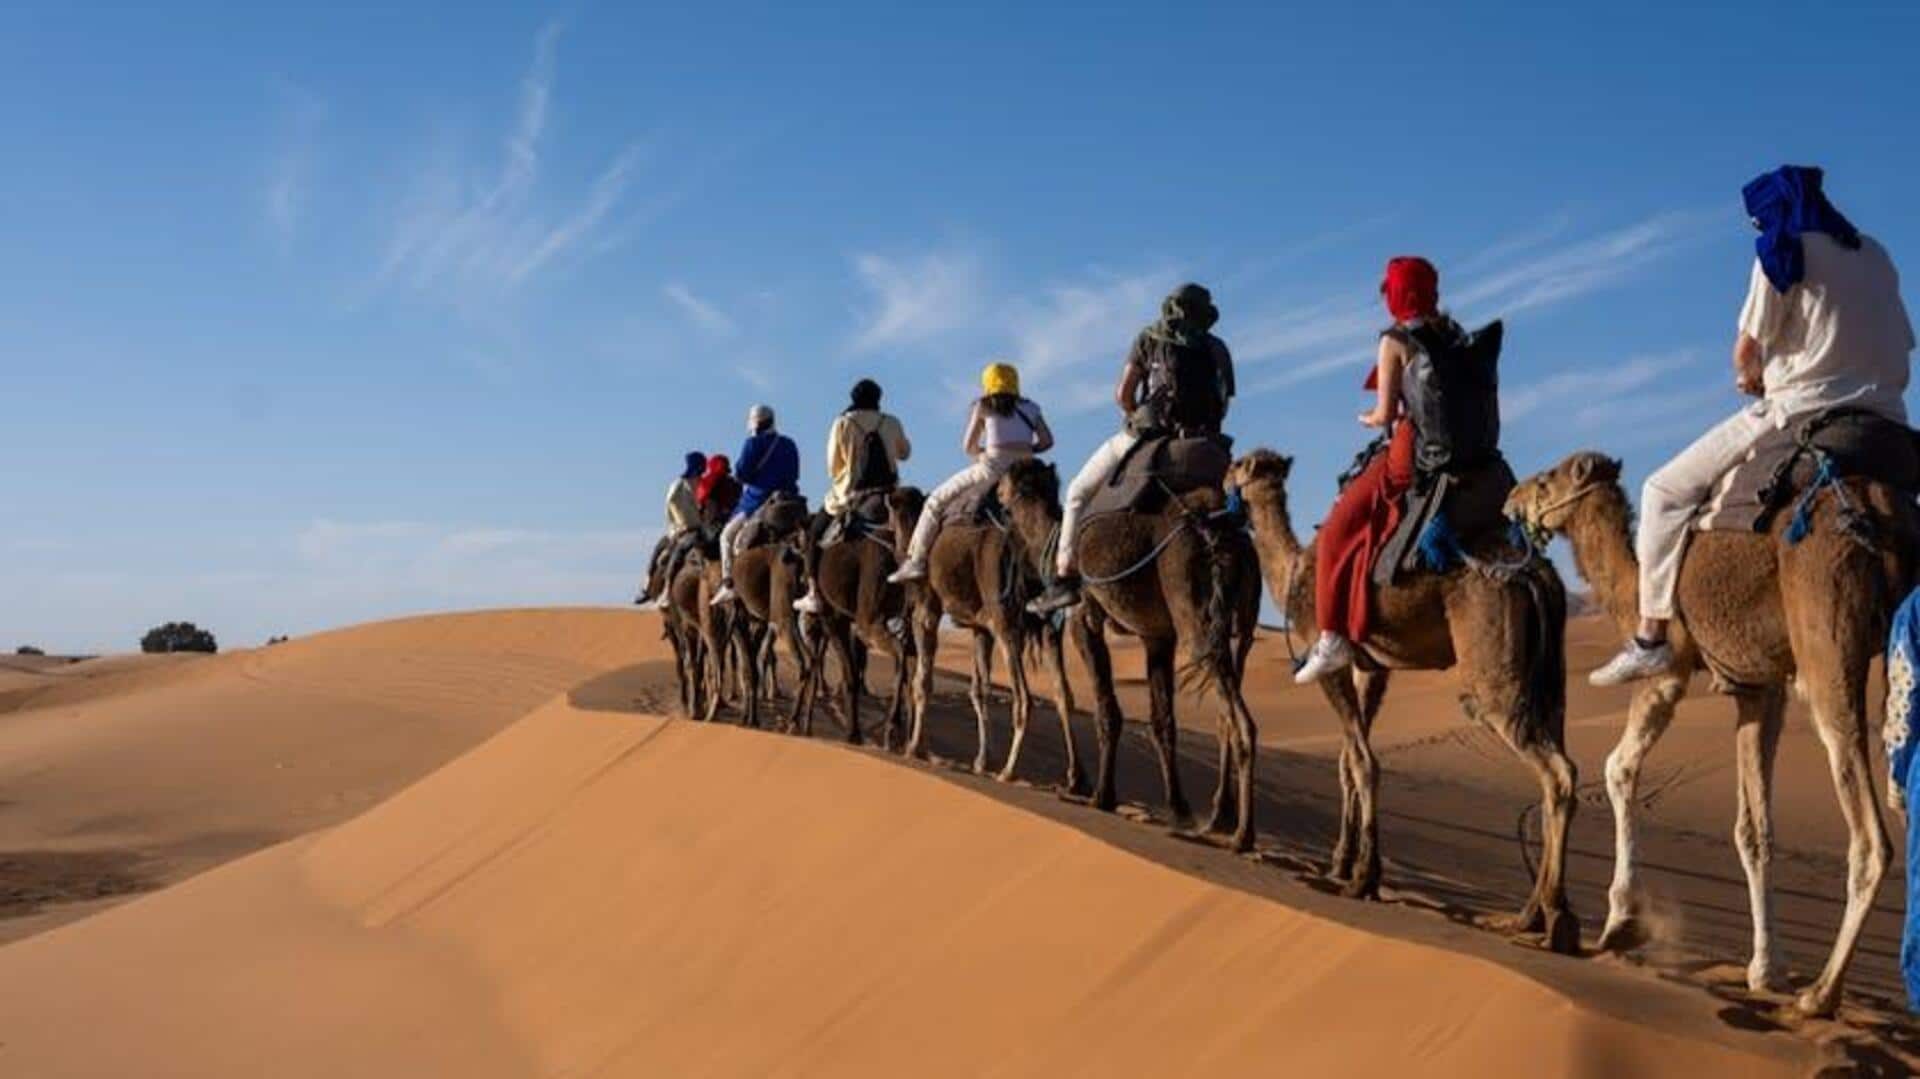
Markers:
(911, 570)
(1635, 662)
(725, 596)
(808, 604)
(1331, 653)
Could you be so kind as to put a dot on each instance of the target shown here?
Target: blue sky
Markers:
(316, 316)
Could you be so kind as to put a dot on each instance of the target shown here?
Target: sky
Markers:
(315, 315)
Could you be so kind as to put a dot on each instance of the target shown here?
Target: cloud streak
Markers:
(473, 242)
(700, 312)
(916, 299)
(283, 201)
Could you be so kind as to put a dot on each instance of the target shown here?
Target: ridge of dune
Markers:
(598, 894)
(159, 767)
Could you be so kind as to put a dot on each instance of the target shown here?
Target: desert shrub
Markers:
(178, 637)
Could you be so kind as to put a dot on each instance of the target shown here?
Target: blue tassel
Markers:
(1802, 523)
(1438, 546)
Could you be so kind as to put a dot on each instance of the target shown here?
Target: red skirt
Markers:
(1350, 539)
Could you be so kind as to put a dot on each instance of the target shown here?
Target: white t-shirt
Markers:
(1839, 336)
(1014, 432)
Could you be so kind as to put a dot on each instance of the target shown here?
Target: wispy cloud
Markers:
(475, 241)
(1542, 277)
(916, 299)
(702, 313)
(283, 200)
(1595, 390)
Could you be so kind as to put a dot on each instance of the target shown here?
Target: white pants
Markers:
(1098, 469)
(985, 471)
(727, 536)
(1672, 499)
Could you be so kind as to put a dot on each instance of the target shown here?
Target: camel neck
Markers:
(1273, 536)
(1603, 553)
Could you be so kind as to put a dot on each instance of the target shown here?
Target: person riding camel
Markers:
(683, 517)
(1368, 508)
(1823, 327)
(1002, 428)
(864, 451)
(714, 495)
(768, 465)
(1178, 380)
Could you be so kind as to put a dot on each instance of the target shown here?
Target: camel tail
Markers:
(1213, 663)
(1547, 651)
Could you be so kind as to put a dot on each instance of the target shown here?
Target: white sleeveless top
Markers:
(1015, 432)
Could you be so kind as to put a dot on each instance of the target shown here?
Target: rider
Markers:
(864, 451)
(683, 517)
(1003, 427)
(1368, 507)
(769, 464)
(1178, 379)
(1823, 327)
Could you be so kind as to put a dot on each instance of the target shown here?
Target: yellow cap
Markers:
(1000, 378)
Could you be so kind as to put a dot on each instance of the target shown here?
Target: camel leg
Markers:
(1647, 719)
(1014, 642)
(1225, 815)
(1074, 781)
(1762, 715)
(894, 726)
(1160, 690)
(1089, 637)
(1833, 667)
(926, 625)
(853, 661)
(980, 692)
(1356, 851)
(1547, 909)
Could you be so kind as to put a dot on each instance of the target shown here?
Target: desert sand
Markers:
(472, 845)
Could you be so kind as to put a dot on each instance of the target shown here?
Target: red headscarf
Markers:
(1411, 288)
(717, 467)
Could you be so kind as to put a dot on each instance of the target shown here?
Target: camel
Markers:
(1760, 614)
(1179, 584)
(700, 633)
(763, 618)
(862, 613)
(1504, 635)
(976, 578)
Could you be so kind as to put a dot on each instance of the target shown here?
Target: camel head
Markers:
(1031, 481)
(1543, 503)
(1260, 470)
(903, 506)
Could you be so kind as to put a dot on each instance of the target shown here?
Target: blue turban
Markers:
(1784, 204)
(696, 464)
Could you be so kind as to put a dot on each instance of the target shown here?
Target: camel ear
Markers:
(1284, 466)
(1595, 468)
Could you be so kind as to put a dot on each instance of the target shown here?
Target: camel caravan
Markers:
(1774, 555)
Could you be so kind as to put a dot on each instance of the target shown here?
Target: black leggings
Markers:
(816, 532)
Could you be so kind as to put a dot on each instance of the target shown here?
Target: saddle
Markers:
(1786, 463)
(1451, 511)
(866, 513)
(780, 517)
(983, 507)
(1159, 469)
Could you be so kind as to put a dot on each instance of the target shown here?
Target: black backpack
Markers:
(1452, 390)
(873, 467)
(1189, 393)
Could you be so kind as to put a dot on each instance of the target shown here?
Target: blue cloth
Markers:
(1784, 204)
(1903, 766)
(769, 464)
(696, 464)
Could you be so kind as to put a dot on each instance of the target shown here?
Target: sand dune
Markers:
(591, 892)
(161, 766)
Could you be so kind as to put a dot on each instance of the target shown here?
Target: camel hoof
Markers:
(1563, 933)
(1242, 841)
(1004, 775)
(1765, 976)
(1362, 887)
(1106, 803)
(1531, 919)
(1814, 1004)
(1622, 935)
(1220, 824)
(979, 766)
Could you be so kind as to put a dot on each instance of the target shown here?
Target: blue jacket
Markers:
(769, 463)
